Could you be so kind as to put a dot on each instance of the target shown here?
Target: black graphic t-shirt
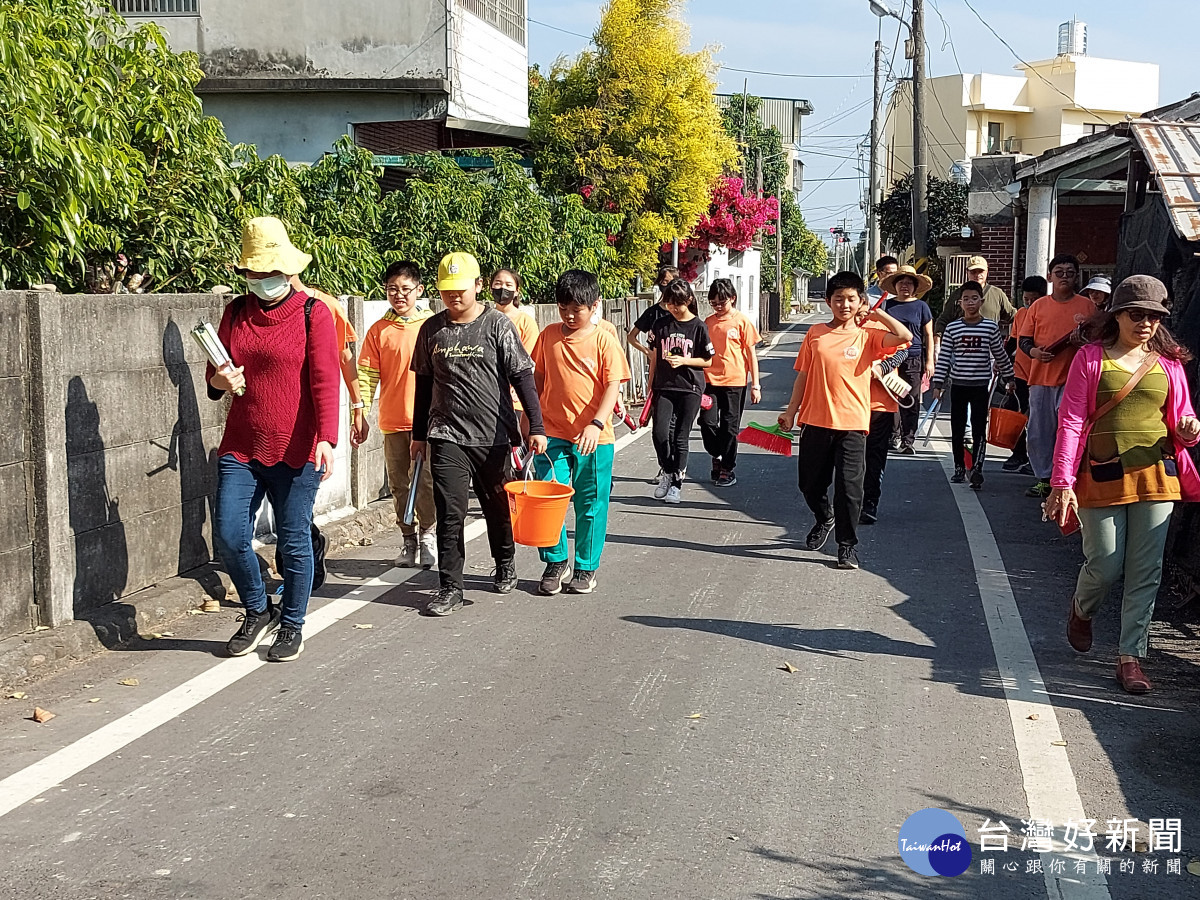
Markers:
(471, 365)
(652, 316)
(673, 338)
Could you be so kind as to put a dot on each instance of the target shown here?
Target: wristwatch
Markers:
(359, 405)
(598, 424)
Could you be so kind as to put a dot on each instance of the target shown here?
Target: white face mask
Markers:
(270, 288)
(596, 317)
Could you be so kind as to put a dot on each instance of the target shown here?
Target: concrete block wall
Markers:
(17, 607)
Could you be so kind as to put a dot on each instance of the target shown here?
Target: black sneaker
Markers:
(959, 476)
(1014, 463)
(819, 535)
(1040, 490)
(847, 557)
(320, 544)
(976, 480)
(907, 449)
(448, 599)
(556, 575)
(869, 515)
(288, 645)
(255, 627)
(584, 582)
(505, 581)
(1026, 469)
(726, 479)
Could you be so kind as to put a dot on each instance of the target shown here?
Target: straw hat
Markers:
(924, 282)
(266, 247)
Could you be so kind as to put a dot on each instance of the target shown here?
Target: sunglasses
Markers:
(1063, 273)
(1137, 316)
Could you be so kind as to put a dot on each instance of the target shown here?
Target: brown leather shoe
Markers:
(1132, 678)
(1079, 630)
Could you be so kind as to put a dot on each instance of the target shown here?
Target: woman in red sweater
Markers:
(279, 434)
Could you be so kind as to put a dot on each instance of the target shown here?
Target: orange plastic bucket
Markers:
(538, 510)
(1005, 427)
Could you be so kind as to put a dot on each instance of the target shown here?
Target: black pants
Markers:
(674, 416)
(838, 456)
(455, 468)
(721, 422)
(879, 439)
(964, 397)
(1021, 450)
(911, 370)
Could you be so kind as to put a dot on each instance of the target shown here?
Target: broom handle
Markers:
(410, 508)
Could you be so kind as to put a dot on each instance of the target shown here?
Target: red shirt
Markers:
(292, 381)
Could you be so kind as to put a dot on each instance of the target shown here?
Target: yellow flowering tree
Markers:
(632, 126)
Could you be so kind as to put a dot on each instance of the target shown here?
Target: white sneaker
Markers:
(408, 556)
(673, 493)
(664, 485)
(429, 550)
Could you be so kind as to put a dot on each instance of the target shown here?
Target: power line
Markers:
(1030, 68)
(782, 74)
(586, 37)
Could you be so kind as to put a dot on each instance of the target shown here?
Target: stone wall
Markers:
(17, 610)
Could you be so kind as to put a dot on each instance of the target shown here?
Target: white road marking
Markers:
(19, 788)
(1050, 786)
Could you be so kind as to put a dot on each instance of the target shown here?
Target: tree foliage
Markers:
(947, 205)
(632, 127)
(734, 219)
(104, 149)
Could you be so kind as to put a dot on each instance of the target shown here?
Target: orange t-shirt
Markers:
(733, 339)
(575, 372)
(341, 324)
(388, 350)
(609, 327)
(1048, 321)
(881, 399)
(1020, 360)
(527, 327)
(837, 394)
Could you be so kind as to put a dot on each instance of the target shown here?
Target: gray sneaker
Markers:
(408, 556)
(556, 575)
(664, 485)
(584, 582)
(429, 554)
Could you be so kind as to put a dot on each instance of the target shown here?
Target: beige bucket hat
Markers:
(266, 247)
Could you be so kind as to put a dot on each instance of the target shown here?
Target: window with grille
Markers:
(158, 7)
(506, 15)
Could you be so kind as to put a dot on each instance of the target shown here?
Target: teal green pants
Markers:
(1127, 539)
(591, 477)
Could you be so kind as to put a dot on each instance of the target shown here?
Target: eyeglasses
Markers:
(1137, 316)
(396, 291)
(1064, 273)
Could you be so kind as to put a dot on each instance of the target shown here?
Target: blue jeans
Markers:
(240, 491)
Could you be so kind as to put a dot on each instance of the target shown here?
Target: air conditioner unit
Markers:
(1012, 145)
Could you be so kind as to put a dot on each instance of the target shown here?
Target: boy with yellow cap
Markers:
(466, 359)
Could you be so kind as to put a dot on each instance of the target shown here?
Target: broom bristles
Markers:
(769, 439)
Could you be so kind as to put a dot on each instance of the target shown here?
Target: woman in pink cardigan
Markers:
(1123, 470)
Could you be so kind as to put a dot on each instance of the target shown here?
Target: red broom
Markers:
(771, 438)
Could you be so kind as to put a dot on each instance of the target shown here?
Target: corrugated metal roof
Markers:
(1173, 153)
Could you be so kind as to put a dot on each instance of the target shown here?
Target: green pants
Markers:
(591, 477)
(1128, 538)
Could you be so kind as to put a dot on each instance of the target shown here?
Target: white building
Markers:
(1050, 104)
(403, 76)
(742, 267)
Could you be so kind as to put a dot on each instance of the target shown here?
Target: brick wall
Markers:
(1090, 232)
(997, 248)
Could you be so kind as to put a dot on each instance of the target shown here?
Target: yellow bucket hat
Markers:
(266, 247)
(457, 272)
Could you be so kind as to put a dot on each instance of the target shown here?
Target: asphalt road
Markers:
(646, 741)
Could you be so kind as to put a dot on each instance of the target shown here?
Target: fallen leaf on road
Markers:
(787, 667)
(17, 695)
(167, 634)
(94, 700)
(42, 716)
(696, 716)
(1058, 743)
(129, 682)
(88, 686)
(358, 625)
(1194, 867)
(1033, 718)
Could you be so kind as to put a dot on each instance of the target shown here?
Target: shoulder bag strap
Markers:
(1148, 363)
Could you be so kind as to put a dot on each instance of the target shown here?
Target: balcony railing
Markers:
(158, 7)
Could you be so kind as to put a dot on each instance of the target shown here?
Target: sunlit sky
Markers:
(836, 37)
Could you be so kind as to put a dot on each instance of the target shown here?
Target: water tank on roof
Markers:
(1072, 38)
(960, 172)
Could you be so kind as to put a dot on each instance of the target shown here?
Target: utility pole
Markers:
(920, 166)
(876, 194)
(779, 250)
